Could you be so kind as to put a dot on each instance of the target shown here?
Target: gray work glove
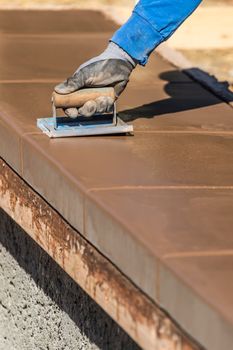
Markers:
(112, 68)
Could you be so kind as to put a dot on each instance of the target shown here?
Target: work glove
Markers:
(112, 68)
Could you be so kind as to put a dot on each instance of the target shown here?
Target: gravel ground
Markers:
(41, 307)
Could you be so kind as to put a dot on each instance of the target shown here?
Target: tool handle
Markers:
(78, 98)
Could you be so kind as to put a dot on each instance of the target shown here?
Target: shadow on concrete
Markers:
(221, 89)
(91, 320)
(183, 96)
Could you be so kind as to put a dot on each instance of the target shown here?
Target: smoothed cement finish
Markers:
(164, 194)
(41, 307)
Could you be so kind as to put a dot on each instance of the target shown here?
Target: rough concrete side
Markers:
(41, 307)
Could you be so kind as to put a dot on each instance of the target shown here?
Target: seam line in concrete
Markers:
(165, 132)
(157, 287)
(27, 81)
(158, 187)
(220, 133)
(21, 156)
(84, 216)
(55, 80)
(56, 35)
(225, 252)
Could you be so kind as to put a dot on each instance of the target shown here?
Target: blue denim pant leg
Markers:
(152, 22)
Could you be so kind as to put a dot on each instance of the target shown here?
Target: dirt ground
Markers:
(74, 3)
(217, 2)
(107, 2)
(215, 61)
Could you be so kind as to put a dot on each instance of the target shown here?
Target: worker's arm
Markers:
(151, 23)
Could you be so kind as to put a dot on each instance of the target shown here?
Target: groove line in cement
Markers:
(225, 252)
(162, 187)
(56, 35)
(201, 132)
(29, 81)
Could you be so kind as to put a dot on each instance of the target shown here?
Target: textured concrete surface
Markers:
(41, 307)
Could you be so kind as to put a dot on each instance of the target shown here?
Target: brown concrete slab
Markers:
(45, 57)
(163, 193)
(21, 104)
(157, 70)
(63, 192)
(170, 221)
(10, 147)
(26, 102)
(174, 107)
(120, 245)
(197, 291)
(46, 167)
(32, 101)
(159, 221)
(62, 171)
(142, 160)
(54, 22)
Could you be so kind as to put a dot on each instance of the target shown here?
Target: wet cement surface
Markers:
(53, 22)
(160, 196)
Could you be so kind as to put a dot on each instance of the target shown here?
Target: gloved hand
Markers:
(112, 68)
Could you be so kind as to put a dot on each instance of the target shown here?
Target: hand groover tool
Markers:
(99, 124)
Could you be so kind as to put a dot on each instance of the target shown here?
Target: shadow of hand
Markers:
(184, 96)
